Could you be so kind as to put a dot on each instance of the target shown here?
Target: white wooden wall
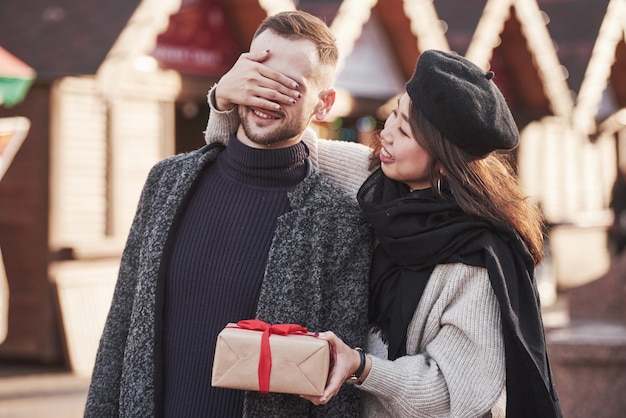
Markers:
(568, 175)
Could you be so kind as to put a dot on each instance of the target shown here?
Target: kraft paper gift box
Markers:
(300, 362)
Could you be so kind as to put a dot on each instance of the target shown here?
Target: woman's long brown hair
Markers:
(485, 187)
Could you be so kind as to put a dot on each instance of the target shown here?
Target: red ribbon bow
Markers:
(265, 359)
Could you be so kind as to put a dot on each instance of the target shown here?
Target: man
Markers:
(220, 235)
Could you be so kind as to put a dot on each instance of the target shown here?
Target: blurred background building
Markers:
(121, 84)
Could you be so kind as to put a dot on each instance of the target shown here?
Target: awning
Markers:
(16, 77)
(13, 131)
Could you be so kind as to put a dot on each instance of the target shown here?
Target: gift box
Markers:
(281, 358)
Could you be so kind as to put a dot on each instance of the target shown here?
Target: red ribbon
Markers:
(265, 358)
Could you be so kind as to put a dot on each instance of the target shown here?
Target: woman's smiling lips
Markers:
(385, 157)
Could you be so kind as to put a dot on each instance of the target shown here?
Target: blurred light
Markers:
(347, 134)
(189, 109)
(366, 124)
(53, 14)
(145, 64)
(336, 124)
(444, 26)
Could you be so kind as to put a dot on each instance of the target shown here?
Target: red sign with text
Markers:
(198, 40)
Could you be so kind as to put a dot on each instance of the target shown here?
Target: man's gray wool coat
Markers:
(316, 275)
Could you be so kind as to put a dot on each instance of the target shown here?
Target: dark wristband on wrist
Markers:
(357, 374)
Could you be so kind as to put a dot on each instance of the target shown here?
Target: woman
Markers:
(454, 309)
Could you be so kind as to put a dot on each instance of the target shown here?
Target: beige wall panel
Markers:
(78, 164)
(85, 289)
(141, 135)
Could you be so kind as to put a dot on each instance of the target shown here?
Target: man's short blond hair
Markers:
(301, 25)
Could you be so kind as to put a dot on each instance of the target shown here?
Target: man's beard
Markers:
(283, 133)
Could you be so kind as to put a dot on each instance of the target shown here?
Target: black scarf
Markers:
(416, 231)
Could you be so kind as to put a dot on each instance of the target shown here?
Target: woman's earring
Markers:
(439, 185)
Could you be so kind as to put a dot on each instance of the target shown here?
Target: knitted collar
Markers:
(273, 168)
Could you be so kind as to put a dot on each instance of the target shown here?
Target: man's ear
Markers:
(325, 103)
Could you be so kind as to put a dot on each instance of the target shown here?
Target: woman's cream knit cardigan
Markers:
(455, 365)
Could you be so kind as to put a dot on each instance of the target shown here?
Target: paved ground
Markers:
(28, 391)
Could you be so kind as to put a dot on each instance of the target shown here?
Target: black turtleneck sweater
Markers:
(216, 267)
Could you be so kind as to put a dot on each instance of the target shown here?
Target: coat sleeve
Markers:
(458, 367)
(104, 391)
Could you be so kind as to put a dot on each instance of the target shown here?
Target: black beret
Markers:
(462, 102)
